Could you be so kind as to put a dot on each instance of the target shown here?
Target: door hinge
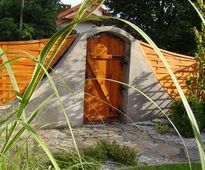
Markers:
(86, 75)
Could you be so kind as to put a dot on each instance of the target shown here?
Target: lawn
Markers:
(168, 167)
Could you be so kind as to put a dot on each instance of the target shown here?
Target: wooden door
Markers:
(103, 98)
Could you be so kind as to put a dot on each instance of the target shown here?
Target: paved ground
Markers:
(152, 147)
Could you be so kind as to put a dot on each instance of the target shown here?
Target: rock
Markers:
(166, 150)
(163, 121)
(146, 123)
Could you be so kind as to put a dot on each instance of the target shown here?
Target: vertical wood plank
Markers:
(101, 99)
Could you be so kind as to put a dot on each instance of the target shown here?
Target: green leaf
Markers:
(11, 75)
(36, 136)
(10, 143)
(181, 93)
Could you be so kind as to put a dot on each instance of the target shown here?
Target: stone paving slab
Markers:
(153, 147)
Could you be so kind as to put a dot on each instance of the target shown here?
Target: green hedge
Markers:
(181, 120)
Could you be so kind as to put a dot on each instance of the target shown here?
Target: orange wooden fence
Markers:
(23, 68)
(183, 67)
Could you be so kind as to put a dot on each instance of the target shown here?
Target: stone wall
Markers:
(71, 69)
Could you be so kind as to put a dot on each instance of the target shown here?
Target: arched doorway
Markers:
(105, 60)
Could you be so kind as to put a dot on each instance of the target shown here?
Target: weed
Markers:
(69, 160)
(22, 157)
(95, 156)
(163, 128)
(97, 153)
(113, 151)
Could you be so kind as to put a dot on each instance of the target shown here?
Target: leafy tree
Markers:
(196, 83)
(38, 19)
(170, 23)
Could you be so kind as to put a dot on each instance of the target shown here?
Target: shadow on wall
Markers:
(182, 75)
(147, 110)
(140, 106)
(70, 69)
(183, 67)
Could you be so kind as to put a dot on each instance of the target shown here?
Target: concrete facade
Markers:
(82, 27)
(71, 69)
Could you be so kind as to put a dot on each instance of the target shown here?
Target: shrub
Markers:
(181, 120)
(113, 151)
(124, 155)
(97, 153)
(92, 157)
(65, 158)
(70, 160)
(162, 128)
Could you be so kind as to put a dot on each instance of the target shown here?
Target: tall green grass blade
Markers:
(88, 4)
(11, 75)
(181, 93)
(36, 75)
(129, 86)
(35, 79)
(198, 12)
(7, 118)
(35, 135)
(10, 62)
(63, 33)
(9, 144)
(23, 104)
(63, 110)
(4, 161)
(155, 104)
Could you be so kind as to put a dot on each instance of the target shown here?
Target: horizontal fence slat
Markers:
(24, 67)
(183, 67)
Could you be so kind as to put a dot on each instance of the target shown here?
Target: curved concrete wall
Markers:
(72, 69)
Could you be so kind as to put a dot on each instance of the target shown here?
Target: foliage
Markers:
(20, 122)
(38, 19)
(113, 151)
(93, 157)
(163, 128)
(69, 160)
(179, 89)
(169, 23)
(196, 83)
(22, 158)
(97, 153)
(181, 120)
(8, 29)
